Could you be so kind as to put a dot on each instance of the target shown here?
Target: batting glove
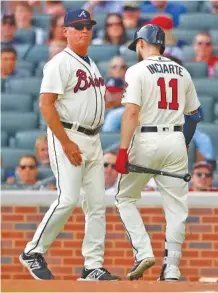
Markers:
(122, 160)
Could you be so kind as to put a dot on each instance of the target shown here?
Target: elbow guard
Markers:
(191, 122)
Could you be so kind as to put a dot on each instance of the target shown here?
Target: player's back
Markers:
(164, 86)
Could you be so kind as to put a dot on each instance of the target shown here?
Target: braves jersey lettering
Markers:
(165, 68)
(85, 81)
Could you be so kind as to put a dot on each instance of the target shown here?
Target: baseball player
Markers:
(72, 103)
(158, 93)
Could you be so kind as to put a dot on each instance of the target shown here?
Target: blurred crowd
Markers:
(121, 18)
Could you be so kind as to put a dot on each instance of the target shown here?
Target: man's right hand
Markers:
(73, 152)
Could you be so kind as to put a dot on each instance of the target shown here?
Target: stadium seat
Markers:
(42, 20)
(198, 21)
(129, 55)
(196, 69)
(150, 15)
(103, 52)
(29, 86)
(216, 70)
(211, 130)
(11, 156)
(100, 18)
(73, 4)
(39, 69)
(25, 36)
(191, 155)
(206, 86)
(103, 68)
(207, 105)
(130, 33)
(215, 180)
(12, 122)
(4, 139)
(27, 139)
(44, 173)
(185, 35)
(214, 35)
(37, 54)
(2, 175)
(109, 139)
(16, 102)
(22, 64)
(191, 6)
(21, 50)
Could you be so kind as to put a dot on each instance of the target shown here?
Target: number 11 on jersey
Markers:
(163, 104)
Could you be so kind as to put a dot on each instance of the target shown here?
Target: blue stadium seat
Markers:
(2, 175)
(42, 20)
(211, 130)
(185, 35)
(214, 35)
(4, 139)
(12, 122)
(100, 18)
(37, 53)
(23, 64)
(206, 86)
(25, 36)
(109, 138)
(39, 69)
(129, 55)
(130, 33)
(198, 21)
(191, 6)
(29, 86)
(207, 105)
(16, 102)
(191, 155)
(11, 156)
(27, 139)
(196, 69)
(103, 52)
(215, 180)
(44, 173)
(216, 70)
(21, 50)
(73, 4)
(103, 68)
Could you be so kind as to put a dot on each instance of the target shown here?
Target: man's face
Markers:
(214, 4)
(43, 150)
(23, 15)
(7, 31)
(203, 46)
(27, 170)
(202, 179)
(109, 169)
(79, 36)
(8, 62)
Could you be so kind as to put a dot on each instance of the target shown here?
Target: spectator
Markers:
(8, 29)
(156, 6)
(202, 177)
(110, 172)
(114, 91)
(23, 19)
(8, 65)
(55, 48)
(203, 47)
(131, 15)
(41, 151)
(114, 31)
(173, 47)
(204, 147)
(56, 32)
(27, 170)
(210, 6)
(35, 5)
(54, 8)
(117, 67)
(96, 6)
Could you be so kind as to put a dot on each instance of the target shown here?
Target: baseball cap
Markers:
(131, 5)
(165, 22)
(203, 164)
(115, 85)
(8, 19)
(77, 16)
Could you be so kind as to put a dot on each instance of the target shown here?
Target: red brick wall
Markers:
(200, 251)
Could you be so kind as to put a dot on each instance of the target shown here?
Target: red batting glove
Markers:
(187, 147)
(122, 160)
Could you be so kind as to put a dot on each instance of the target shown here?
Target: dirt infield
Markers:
(118, 286)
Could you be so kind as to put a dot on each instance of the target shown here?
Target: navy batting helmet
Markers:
(152, 34)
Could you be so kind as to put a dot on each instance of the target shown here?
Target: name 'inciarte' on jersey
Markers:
(165, 68)
(85, 81)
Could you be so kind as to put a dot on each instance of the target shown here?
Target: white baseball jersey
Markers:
(163, 89)
(79, 86)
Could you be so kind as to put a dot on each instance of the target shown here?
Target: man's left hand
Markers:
(122, 160)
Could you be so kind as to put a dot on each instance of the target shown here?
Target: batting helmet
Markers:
(152, 34)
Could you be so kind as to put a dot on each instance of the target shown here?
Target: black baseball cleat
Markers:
(140, 267)
(99, 274)
(36, 265)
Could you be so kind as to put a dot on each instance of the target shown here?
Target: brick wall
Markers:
(200, 251)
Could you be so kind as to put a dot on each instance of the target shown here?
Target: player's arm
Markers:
(53, 84)
(193, 112)
(132, 101)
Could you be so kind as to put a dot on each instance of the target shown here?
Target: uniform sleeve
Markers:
(192, 101)
(132, 90)
(55, 77)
